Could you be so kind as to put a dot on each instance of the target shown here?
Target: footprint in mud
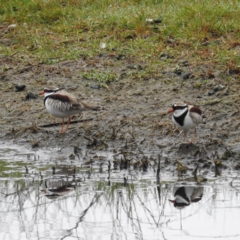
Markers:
(186, 148)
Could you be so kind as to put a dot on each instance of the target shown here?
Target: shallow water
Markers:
(93, 203)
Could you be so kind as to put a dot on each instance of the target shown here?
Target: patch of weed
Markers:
(102, 77)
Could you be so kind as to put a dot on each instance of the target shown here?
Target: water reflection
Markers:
(184, 196)
(71, 203)
(57, 187)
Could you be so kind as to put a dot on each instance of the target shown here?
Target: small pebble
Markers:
(30, 95)
(20, 88)
(212, 92)
(218, 88)
(120, 57)
(186, 75)
(184, 63)
(178, 71)
(170, 40)
(215, 89)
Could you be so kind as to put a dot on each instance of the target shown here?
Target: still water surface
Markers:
(92, 203)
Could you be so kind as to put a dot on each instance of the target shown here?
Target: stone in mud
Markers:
(31, 95)
(20, 88)
(186, 75)
(215, 89)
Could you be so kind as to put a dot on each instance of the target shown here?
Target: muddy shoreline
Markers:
(134, 124)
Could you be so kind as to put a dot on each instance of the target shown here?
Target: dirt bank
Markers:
(134, 123)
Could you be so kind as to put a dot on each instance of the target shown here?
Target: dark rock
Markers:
(157, 21)
(184, 63)
(120, 57)
(212, 92)
(178, 71)
(234, 71)
(31, 95)
(215, 89)
(186, 75)
(20, 88)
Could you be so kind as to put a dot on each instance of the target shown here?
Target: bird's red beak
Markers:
(171, 110)
(42, 92)
(172, 201)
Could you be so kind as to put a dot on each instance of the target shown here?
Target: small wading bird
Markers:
(186, 117)
(62, 104)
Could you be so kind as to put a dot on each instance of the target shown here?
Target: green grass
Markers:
(55, 30)
(102, 77)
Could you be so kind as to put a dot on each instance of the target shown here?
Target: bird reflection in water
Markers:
(60, 188)
(184, 196)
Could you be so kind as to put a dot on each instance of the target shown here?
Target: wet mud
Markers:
(133, 126)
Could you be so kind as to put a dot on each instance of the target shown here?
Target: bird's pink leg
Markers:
(69, 120)
(194, 136)
(185, 137)
(61, 130)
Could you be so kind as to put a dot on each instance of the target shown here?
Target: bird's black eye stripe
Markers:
(48, 91)
(179, 107)
(51, 90)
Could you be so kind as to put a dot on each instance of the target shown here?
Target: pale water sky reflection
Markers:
(95, 210)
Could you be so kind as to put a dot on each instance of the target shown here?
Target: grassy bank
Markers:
(206, 31)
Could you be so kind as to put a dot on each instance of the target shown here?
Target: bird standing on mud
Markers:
(62, 104)
(186, 117)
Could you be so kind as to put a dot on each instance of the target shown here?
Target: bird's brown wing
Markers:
(196, 114)
(67, 102)
(60, 102)
(79, 104)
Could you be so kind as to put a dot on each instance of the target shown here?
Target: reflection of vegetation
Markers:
(11, 170)
(123, 207)
(111, 188)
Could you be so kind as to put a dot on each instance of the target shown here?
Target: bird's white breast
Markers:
(58, 109)
(187, 123)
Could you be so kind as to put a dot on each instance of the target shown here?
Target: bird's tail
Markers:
(92, 107)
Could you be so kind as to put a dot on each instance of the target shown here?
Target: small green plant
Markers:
(197, 84)
(102, 77)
